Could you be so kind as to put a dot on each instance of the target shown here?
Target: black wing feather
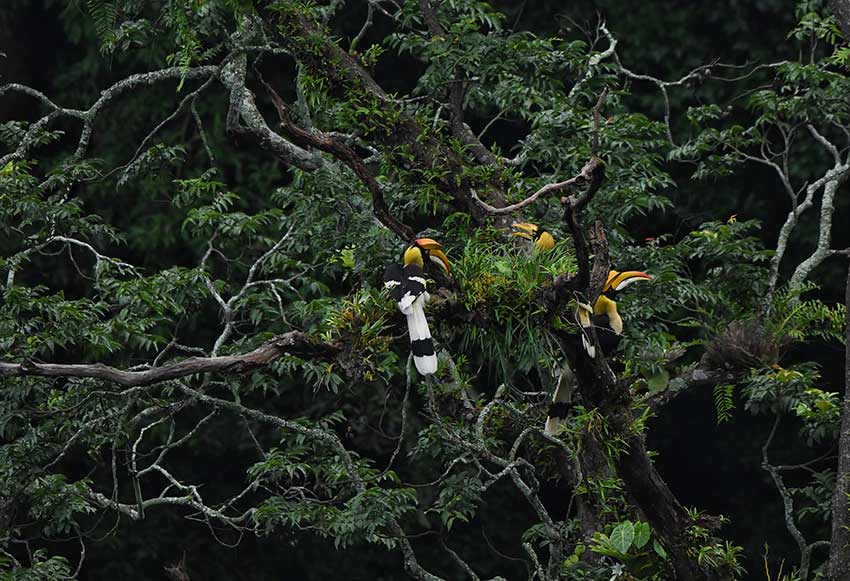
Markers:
(413, 280)
(394, 281)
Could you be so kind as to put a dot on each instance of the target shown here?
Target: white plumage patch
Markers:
(552, 425)
(588, 346)
(406, 303)
(421, 343)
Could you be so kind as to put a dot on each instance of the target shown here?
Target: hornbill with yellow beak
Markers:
(407, 287)
(606, 320)
(541, 238)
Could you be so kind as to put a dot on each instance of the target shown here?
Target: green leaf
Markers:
(622, 536)
(641, 534)
(658, 381)
(659, 549)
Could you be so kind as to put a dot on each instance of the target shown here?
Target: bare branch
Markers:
(591, 173)
(788, 503)
(292, 343)
(89, 116)
(831, 181)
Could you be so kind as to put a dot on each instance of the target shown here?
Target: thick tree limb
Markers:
(698, 377)
(830, 182)
(313, 48)
(345, 153)
(841, 10)
(245, 120)
(599, 388)
(292, 343)
(839, 556)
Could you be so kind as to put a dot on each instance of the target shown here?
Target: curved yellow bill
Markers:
(433, 249)
(619, 280)
(526, 230)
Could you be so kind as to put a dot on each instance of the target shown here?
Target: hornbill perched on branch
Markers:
(602, 316)
(407, 287)
(606, 320)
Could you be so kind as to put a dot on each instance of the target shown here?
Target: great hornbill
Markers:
(407, 287)
(602, 316)
(541, 238)
(606, 320)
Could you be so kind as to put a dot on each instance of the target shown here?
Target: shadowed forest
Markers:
(217, 360)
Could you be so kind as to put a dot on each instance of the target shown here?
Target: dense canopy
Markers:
(216, 346)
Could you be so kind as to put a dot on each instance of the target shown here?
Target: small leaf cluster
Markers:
(628, 542)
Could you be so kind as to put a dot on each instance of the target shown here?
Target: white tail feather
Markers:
(563, 394)
(426, 365)
(417, 327)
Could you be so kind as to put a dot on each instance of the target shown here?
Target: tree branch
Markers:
(841, 10)
(255, 129)
(342, 151)
(292, 343)
(839, 557)
(89, 116)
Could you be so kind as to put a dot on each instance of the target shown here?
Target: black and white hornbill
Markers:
(606, 320)
(541, 238)
(407, 287)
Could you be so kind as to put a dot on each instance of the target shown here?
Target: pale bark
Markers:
(294, 343)
(839, 555)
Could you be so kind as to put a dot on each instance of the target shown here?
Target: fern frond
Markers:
(724, 403)
(105, 15)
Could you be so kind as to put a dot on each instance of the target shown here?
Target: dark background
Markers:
(51, 46)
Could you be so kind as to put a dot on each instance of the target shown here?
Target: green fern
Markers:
(792, 318)
(724, 403)
(105, 15)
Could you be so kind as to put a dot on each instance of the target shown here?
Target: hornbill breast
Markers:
(605, 334)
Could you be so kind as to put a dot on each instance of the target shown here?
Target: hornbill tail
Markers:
(561, 401)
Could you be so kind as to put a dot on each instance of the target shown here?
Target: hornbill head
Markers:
(542, 239)
(604, 316)
(424, 249)
(617, 281)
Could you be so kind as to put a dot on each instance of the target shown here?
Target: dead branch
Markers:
(292, 343)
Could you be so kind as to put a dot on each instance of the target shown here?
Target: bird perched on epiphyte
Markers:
(606, 320)
(540, 237)
(407, 287)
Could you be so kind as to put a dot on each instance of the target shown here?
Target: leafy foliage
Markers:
(173, 245)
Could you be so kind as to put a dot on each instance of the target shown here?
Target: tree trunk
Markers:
(841, 10)
(665, 514)
(839, 554)
(668, 518)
